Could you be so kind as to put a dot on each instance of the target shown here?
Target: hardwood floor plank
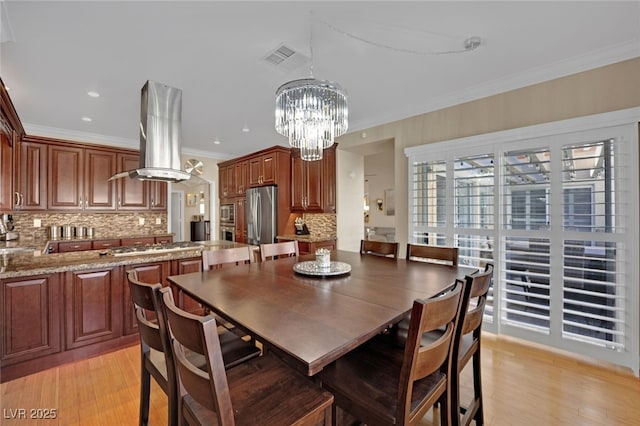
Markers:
(523, 384)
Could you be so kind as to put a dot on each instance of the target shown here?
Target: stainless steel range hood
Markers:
(160, 135)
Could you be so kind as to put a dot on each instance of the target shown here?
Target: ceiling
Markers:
(383, 53)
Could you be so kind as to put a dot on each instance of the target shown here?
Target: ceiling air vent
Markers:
(286, 59)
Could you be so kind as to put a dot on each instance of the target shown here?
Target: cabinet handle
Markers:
(152, 203)
(17, 203)
(119, 202)
(80, 202)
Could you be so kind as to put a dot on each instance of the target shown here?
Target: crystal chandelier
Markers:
(311, 113)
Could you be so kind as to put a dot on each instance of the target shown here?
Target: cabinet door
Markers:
(104, 244)
(31, 176)
(298, 183)
(152, 273)
(240, 172)
(93, 306)
(74, 246)
(186, 266)
(329, 180)
(99, 191)
(65, 178)
(223, 185)
(158, 195)
(141, 241)
(241, 229)
(6, 169)
(269, 167)
(255, 171)
(31, 317)
(313, 200)
(132, 193)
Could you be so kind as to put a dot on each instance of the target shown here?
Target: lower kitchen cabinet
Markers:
(186, 266)
(31, 325)
(150, 273)
(311, 247)
(92, 306)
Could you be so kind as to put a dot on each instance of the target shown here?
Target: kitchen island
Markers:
(63, 307)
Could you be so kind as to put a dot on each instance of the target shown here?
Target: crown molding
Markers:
(576, 64)
(73, 135)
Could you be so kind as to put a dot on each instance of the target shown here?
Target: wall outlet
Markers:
(141, 221)
(37, 223)
(158, 221)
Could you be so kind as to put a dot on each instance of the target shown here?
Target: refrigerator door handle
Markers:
(259, 216)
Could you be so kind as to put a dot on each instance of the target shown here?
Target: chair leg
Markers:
(445, 415)
(145, 390)
(477, 388)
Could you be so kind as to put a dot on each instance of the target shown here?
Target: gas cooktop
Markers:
(154, 248)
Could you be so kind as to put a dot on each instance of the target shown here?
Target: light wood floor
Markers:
(522, 384)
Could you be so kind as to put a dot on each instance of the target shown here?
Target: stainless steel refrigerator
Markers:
(262, 214)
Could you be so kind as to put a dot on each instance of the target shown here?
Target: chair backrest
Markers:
(213, 259)
(199, 334)
(435, 254)
(151, 323)
(479, 283)
(379, 248)
(442, 312)
(275, 250)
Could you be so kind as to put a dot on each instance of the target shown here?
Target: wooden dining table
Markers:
(313, 320)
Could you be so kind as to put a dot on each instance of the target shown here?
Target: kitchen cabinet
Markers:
(78, 178)
(311, 247)
(31, 176)
(6, 168)
(31, 319)
(11, 132)
(164, 240)
(103, 244)
(157, 195)
(153, 273)
(132, 193)
(241, 177)
(137, 241)
(262, 170)
(225, 180)
(69, 246)
(186, 266)
(93, 307)
(313, 183)
(241, 221)
(306, 184)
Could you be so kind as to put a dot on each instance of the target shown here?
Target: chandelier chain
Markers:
(469, 44)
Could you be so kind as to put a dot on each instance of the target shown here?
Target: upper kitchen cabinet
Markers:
(11, 132)
(79, 178)
(226, 180)
(31, 175)
(158, 195)
(313, 183)
(132, 193)
(306, 184)
(269, 167)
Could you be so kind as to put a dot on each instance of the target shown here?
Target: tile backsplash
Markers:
(321, 224)
(105, 224)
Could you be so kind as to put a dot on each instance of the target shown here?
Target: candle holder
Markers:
(323, 258)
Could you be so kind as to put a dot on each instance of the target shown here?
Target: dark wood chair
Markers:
(379, 248)
(214, 259)
(155, 348)
(381, 383)
(435, 254)
(469, 348)
(262, 391)
(276, 250)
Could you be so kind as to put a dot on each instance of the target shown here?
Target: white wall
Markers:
(379, 172)
(350, 194)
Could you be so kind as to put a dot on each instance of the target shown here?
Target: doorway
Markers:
(177, 215)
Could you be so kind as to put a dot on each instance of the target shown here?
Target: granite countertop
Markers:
(31, 262)
(311, 238)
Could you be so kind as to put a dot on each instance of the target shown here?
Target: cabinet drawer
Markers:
(137, 241)
(105, 244)
(164, 240)
(74, 246)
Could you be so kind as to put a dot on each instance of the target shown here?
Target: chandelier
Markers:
(311, 113)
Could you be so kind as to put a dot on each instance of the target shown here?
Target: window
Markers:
(561, 242)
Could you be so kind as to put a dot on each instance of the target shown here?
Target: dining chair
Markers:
(276, 250)
(379, 248)
(155, 348)
(214, 259)
(434, 254)
(469, 349)
(381, 383)
(261, 391)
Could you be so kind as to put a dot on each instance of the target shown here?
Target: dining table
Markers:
(312, 316)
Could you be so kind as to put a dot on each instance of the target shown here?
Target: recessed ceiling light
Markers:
(87, 119)
(246, 129)
(216, 142)
(93, 94)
